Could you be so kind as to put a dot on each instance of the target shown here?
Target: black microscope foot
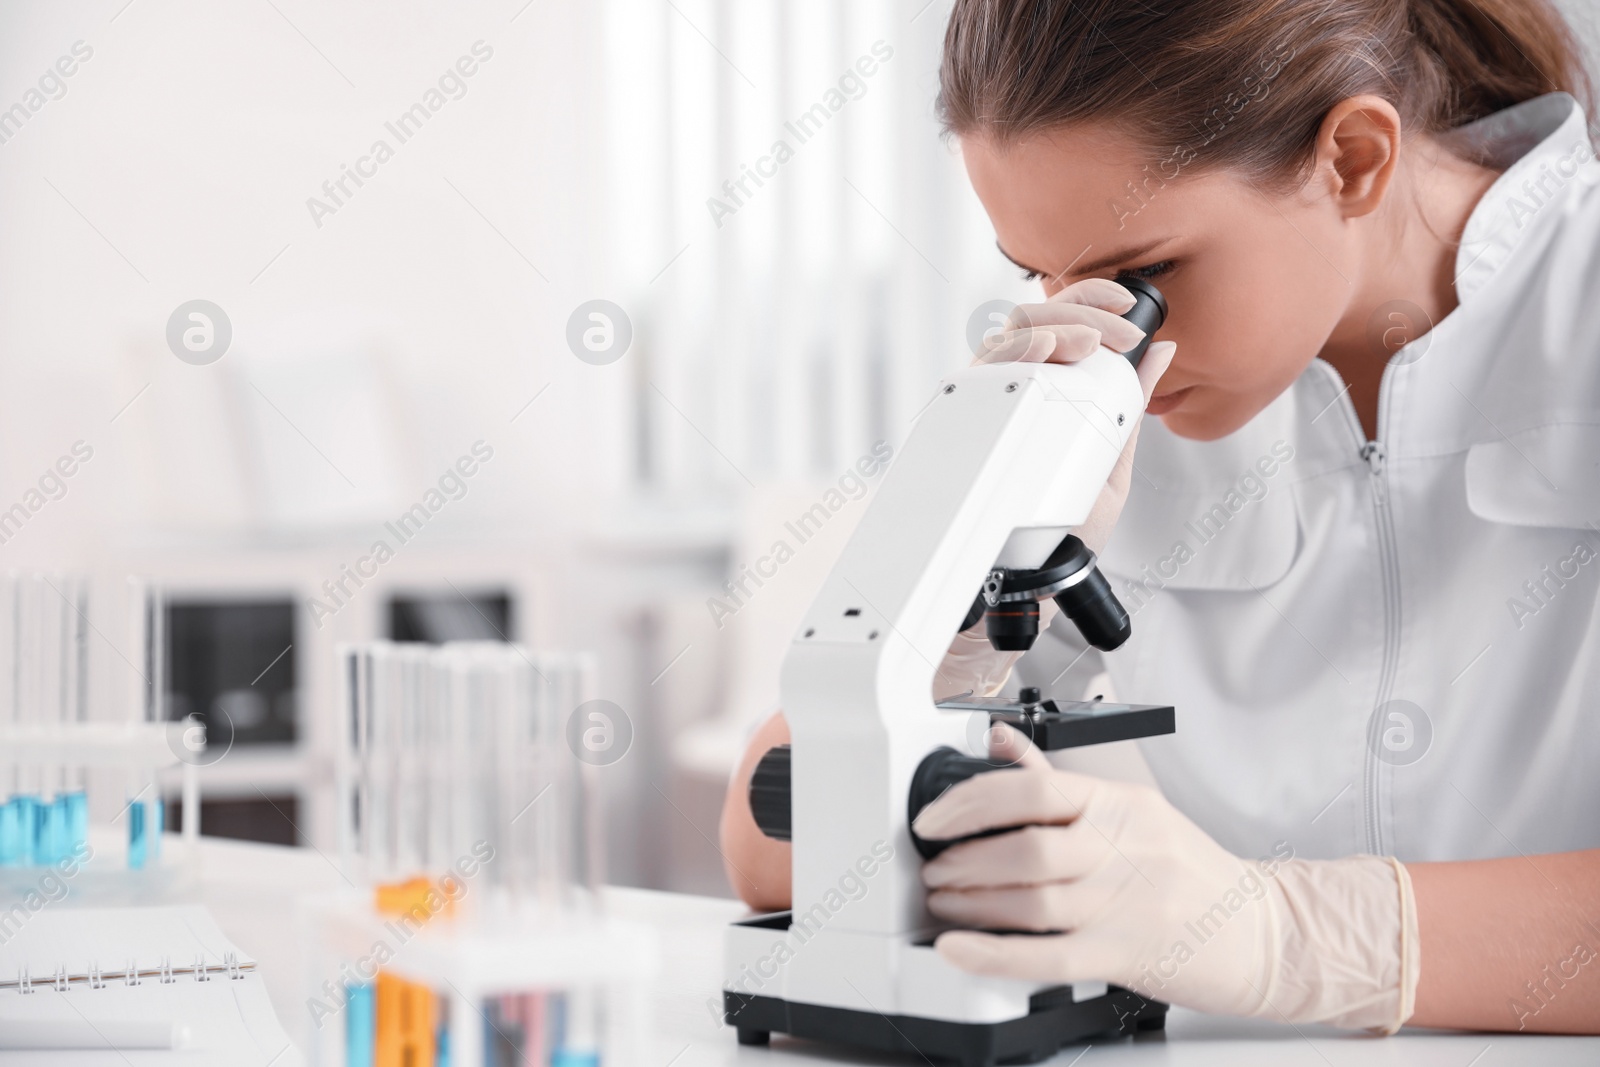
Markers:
(1054, 1020)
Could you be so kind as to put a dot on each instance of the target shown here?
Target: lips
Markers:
(1162, 403)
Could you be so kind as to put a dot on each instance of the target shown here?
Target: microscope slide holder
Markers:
(1053, 725)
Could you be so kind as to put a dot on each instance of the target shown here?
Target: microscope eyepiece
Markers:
(1149, 311)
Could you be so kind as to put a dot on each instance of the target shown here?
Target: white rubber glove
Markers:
(1064, 329)
(1151, 903)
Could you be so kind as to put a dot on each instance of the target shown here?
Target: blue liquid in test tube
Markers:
(570, 1057)
(10, 833)
(54, 831)
(77, 821)
(441, 1054)
(44, 833)
(27, 814)
(144, 833)
(361, 1027)
(136, 835)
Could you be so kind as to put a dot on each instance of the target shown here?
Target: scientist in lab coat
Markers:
(1360, 541)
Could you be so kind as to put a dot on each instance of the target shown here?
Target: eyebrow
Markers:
(1120, 256)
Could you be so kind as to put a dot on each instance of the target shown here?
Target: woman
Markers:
(1360, 541)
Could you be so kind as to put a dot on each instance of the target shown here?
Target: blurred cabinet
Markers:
(252, 632)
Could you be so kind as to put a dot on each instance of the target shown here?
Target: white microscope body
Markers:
(1000, 465)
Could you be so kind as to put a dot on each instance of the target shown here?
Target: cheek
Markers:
(1238, 364)
(1259, 322)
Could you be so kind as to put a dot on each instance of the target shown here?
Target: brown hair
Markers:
(1245, 83)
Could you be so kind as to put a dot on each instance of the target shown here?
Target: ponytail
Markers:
(1483, 56)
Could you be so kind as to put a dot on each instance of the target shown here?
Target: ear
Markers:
(1358, 149)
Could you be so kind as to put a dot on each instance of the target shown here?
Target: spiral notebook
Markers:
(98, 969)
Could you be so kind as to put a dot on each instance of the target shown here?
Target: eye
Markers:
(1031, 275)
(1151, 271)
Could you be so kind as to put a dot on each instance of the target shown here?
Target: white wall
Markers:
(372, 349)
(179, 163)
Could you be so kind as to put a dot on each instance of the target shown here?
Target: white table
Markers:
(251, 891)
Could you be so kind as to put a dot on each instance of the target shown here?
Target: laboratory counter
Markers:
(251, 889)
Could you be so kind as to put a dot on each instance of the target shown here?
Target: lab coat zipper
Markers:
(1375, 455)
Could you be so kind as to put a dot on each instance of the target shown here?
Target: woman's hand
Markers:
(1069, 327)
(1130, 891)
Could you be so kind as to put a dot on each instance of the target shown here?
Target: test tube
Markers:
(474, 687)
(41, 700)
(144, 808)
(434, 684)
(358, 804)
(360, 1025)
(12, 832)
(384, 789)
(580, 1034)
(350, 773)
(75, 709)
(45, 663)
(414, 753)
(30, 779)
(586, 817)
(542, 777)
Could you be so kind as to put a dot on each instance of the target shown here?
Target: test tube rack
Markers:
(468, 961)
(132, 747)
(457, 772)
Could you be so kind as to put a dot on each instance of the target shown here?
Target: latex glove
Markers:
(1151, 903)
(1067, 327)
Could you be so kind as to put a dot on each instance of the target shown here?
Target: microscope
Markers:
(1001, 465)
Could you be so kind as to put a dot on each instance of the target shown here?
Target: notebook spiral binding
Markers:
(63, 980)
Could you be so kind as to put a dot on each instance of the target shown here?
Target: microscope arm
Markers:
(1000, 466)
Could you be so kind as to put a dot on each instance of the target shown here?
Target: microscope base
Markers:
(1053, 1020)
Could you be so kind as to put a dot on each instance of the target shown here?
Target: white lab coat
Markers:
(1392, 647)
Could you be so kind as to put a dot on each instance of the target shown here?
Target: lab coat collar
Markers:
(1544, 146)
(1495, 364)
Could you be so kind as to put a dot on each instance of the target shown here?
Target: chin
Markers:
(1200, 424)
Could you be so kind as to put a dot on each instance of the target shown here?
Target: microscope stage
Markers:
(1053, 724)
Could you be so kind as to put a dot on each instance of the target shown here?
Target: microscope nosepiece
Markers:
(1072, 579)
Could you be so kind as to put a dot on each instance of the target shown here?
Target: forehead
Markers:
(1051, 195)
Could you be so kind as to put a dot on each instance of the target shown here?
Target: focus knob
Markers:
(938, 771)
(769, 793)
